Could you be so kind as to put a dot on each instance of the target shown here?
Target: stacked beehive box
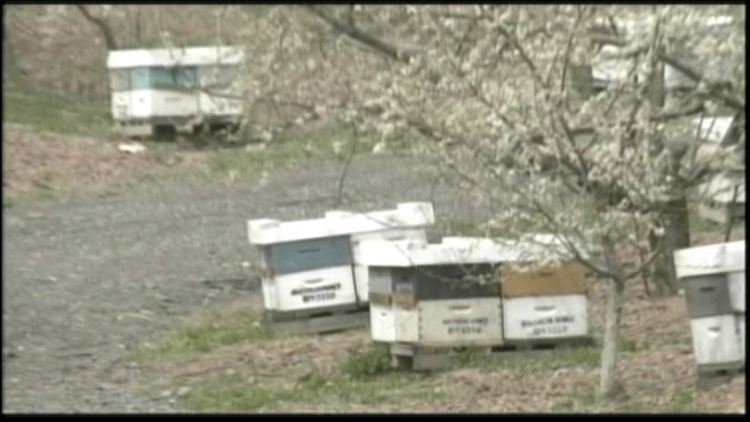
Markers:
(713, 277)
(432, 294)
(309, 267)
(426, 297)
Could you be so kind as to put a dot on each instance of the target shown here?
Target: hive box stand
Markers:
(312, 279)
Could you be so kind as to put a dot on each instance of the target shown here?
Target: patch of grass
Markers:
(374, 360)
(580, 399)
(585, 357)
(682, 401)
(216, 331)
(469, 356)
(234, 397)
(58, 113)
(364, 378)
(628, 345)
(331, 389)
(331, 142)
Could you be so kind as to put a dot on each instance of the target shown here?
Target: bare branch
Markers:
(607, 39)
(342, 179)
(693, 106)
(103, 26)
(524, 56)
(730, 214)
(544, 212)
(714, 89)
(644, 265)
(366, 39)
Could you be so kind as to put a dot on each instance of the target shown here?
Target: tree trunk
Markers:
(608, 387)
(137, 26)
(676, 236)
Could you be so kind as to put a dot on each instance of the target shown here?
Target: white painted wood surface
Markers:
(545, 317)
(214, 105)
(716, 339)
(741, 323)
(268, 288)
(737, 290)
(337, 223)
(320, 288)
(361, 275)
(454, 322)
(167, 57)
(390, 323)
(464, 250)
(148, 103)
(382, 323)
(459, 322)
(710, 259)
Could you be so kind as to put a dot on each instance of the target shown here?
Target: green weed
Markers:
(217, 331)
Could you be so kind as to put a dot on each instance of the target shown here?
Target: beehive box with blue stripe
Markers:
(309, 265)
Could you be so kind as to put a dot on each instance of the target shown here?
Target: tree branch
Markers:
(714, 88)
(342, 179)
(356, 34)
(103, 26)
(694, 106)
(525, 57)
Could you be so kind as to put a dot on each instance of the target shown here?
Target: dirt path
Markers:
(88, 280)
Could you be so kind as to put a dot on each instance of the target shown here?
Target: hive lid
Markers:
(188, 56)
(457, 250)
(339, 223)
(710, 259)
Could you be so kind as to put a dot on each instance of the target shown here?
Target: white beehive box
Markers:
(414, 301)
(310, 264)
(716, 340)
(311, 289)
(718, 270)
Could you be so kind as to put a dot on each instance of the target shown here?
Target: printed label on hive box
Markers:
(458, 326)
(548, 325)
(318, 293)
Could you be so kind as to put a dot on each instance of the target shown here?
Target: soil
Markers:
(89, 279)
